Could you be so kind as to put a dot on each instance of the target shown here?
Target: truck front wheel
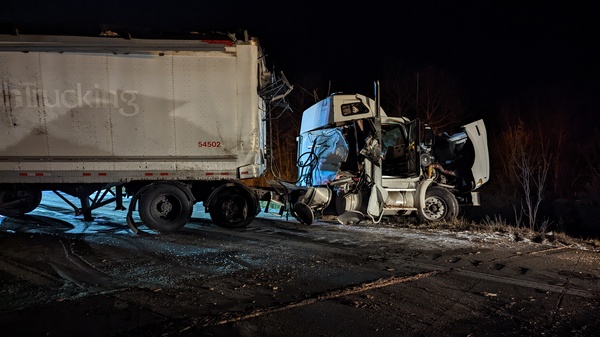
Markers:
(165, 208)
(440, 205)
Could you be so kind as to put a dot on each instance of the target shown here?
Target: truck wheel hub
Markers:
(164, 206)
(434, 207)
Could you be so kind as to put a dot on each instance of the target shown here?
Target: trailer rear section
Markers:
(168, 122)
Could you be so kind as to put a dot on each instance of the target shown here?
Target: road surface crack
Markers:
(380, 283)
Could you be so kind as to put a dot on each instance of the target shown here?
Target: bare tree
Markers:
(400, 93)
(531, 170)
(549, 121)
(430, 94)
(508, 147)
(439, 100)
(525, 166)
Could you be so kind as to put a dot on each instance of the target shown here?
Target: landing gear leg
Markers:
(85, 207)
(119, 199)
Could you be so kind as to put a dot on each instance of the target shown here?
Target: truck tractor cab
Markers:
(355, 162)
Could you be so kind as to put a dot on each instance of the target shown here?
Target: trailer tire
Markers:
(440, 205)
(19, 202)
(165, 208)
(232, 207)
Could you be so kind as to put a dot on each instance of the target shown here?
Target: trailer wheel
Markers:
(16, 203)
(165, 208)
(440, 205)
(232, 208)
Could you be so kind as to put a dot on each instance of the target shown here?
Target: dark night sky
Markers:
(497, 49)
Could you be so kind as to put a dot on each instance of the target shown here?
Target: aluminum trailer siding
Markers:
(172, 122)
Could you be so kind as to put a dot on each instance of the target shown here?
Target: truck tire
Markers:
(17, 203)
(165, 208)
(440, 205)
(232, 208)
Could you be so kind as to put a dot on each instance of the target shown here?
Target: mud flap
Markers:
(376, 201)
(132, 207)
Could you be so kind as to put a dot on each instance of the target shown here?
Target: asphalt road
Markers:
(62, 276)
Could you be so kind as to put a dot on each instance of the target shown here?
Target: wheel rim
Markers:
(165, 208)
(234, 209)
(435, 208)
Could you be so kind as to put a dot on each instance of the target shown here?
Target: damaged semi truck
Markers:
(354, 163)
(168, 122)
(174, 122)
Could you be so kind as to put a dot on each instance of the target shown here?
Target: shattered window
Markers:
(323, 153)
(354, 109)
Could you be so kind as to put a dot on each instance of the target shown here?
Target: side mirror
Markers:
(428, 136)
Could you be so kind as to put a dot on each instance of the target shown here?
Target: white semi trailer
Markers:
(170, 122)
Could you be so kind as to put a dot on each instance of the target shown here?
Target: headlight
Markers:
(426, 159)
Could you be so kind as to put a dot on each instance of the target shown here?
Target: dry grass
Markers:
(495, 224)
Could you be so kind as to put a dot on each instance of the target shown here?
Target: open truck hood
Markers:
(481, 165)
